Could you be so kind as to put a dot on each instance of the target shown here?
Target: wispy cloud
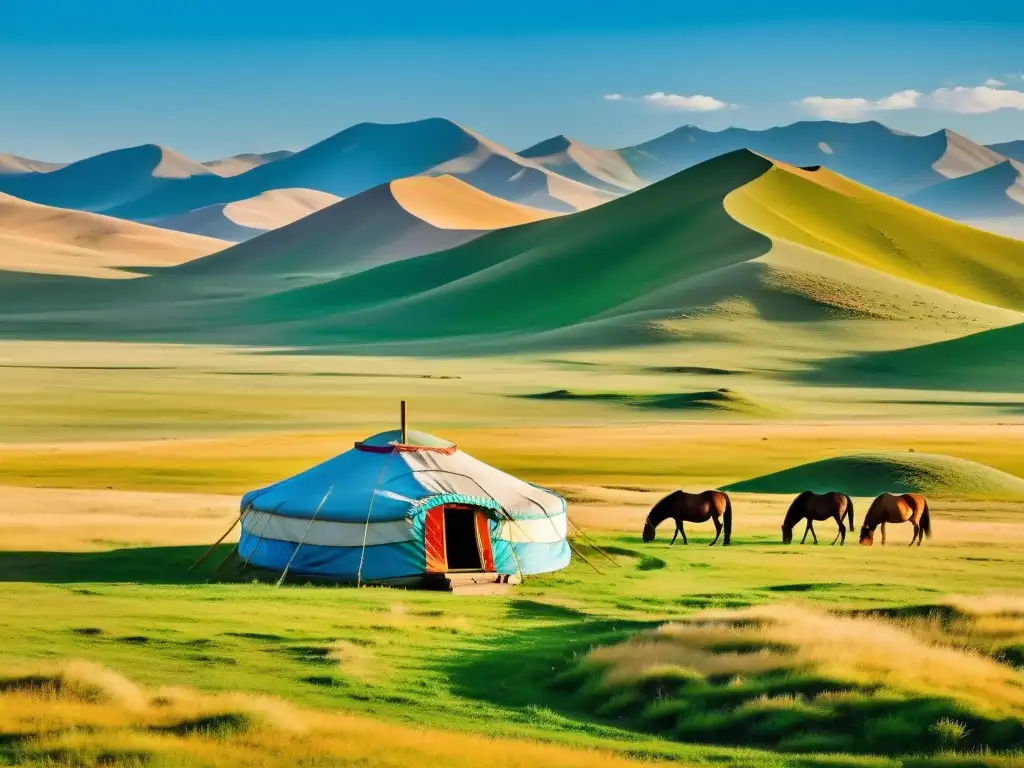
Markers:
(993, 83)
(961, 99)
(853, 108)
(675, 102)
(974, 101)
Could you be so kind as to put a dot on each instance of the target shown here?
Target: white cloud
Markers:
(961, 99)
(974, 101)
(675, 101)
(853, 108)
(993, 83)
(695, 103)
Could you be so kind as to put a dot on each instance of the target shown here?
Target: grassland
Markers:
(770, 328)
(176, 433)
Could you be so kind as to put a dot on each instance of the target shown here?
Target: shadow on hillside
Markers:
(138, 565)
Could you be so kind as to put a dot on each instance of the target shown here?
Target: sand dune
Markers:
(391, 222)
(236, 164)
(446, 202)
(246, 219)
(710, 255)
(103, 183)
(740, 252)
(46, 240)
(599, 168)
(346, 164)
(1011, 149)
(12, 165)
(992, 198)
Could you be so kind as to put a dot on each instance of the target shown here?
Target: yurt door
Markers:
(458, 539)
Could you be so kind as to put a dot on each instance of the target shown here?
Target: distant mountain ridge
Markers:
(150, 183)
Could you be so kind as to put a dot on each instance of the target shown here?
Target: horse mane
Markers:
(793, 514)
(662, 511)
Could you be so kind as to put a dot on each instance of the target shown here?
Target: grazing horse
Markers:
(887, 508)
(692, 508)
(817, 507)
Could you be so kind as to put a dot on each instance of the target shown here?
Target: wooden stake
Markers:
(405, 431)
(592, 544)
(215, 544)
(582, 556)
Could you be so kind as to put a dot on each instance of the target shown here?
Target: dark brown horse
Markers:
(887, 508)
(692, 508)
(817, 507)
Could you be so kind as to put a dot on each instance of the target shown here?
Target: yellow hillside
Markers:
(821, 210)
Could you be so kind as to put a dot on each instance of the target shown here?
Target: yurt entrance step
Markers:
(471, 582)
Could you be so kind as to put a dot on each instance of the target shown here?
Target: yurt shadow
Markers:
(134, 565)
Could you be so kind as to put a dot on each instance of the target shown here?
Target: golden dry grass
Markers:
(82, 713)
(859, 651)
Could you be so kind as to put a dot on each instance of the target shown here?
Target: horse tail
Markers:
(926, 519)
(849, 509)
(727, 520)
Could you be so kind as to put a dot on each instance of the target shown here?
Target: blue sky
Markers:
(218, 77)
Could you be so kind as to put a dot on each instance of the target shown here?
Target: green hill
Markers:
(990, 361)
(739, 254)
(870, 474)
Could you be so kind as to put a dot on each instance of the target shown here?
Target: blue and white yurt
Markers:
(390, 509)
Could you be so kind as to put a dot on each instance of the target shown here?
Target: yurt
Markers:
(397, 510)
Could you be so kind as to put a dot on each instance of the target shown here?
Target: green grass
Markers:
(872, 474)
(482, 665)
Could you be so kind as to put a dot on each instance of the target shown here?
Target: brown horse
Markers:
(910, 507)
(692, 508)
(817, 507)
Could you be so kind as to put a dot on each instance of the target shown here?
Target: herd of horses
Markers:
(716, 506)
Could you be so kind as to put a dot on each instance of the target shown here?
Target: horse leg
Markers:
(840, 532)
(883, 533)
(806, 531)
(674, 535)
(683, 532)
(813, 534)
(718, 530)
(917, 529)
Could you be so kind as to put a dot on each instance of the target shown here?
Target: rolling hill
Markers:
(990, 199)
(704, 253)
(245, 219)
(370, 154)
(45, 240)
(871, 474)
(737, 256)
(892, 162)
(12, 165)
(236, 164)
(394, 221)
(1011, 149)
(107, 182)
(599, 168)
(989, 361)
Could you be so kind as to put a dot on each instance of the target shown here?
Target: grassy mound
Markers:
(798, 681)
(989, 361)
(870, 474)
(714, 401)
